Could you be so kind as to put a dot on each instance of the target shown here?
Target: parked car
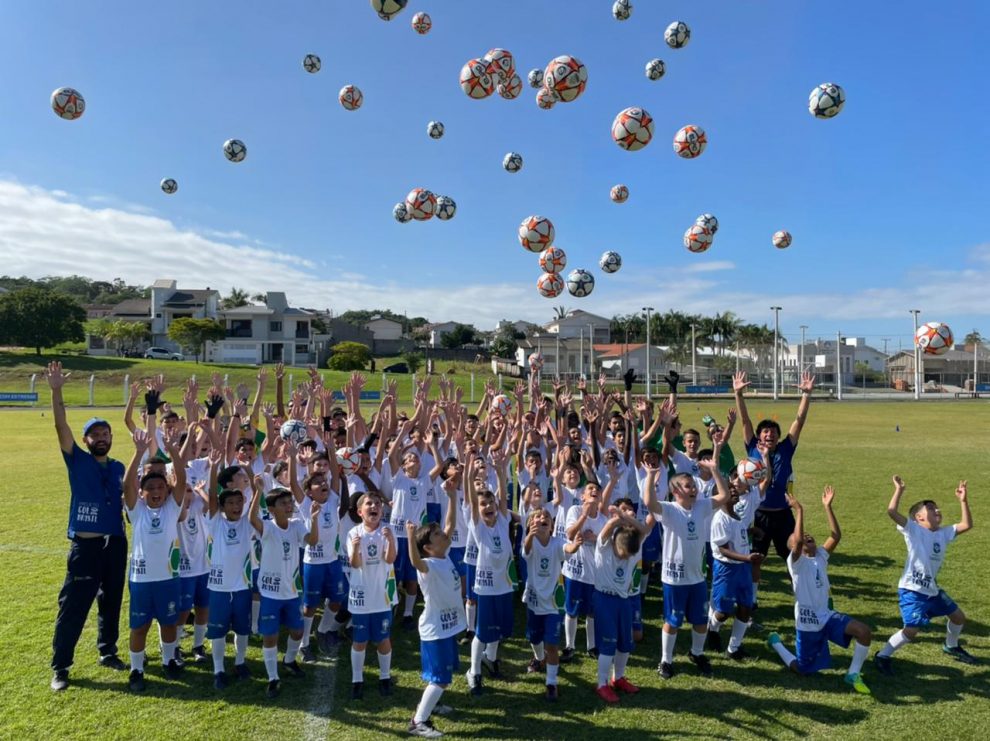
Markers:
(396, 368)
(160, 353)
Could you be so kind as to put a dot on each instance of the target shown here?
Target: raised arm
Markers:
(835, 533)
(739, 384)
(721, 485)
(56, 379)
(257, 487)
(895, 502)
(966, 523)
(499, 461)
(171, 442)
(313, 536)
(806, 386)
(140, 438)
(798, 535)
(414, 558)
(216, 460)
(132, 397)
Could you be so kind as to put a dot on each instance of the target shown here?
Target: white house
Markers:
(383, 328)
(863, 353)
(272, 333)
(577, 323)
(169, 303)
(438, 330)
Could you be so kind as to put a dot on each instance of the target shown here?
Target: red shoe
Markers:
(624, 685)
(605, 692)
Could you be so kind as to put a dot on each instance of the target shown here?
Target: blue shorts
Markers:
(439, 660)
(732, 585)
(495, 617)
(469, 573)
(457, 558)
(652, 545)
(543, 628)
(278, 612)
(636, 600)
(323, 581)
(812, 645)
(613, 624)
(578, 598)
(432, 513)
(229, 611)
(372, 626)
(154, 600)
(193, 592)
(522, 570)
(918, 609)
(709, 560)
(686, 603)
(254, 581)
(404, 569)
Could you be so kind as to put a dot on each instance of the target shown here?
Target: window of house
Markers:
(302, 349)
(302, 330)
(275, 326)
(239, 328)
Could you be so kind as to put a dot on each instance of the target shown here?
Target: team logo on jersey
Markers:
(231, 534)
(620, 572)
(372, 550)
(544, 564)
(412, 493)
(327, 516)
(156, 522)
(690, 526)
(936, 548)
(285, 546)
(497, 542)
(191, 525)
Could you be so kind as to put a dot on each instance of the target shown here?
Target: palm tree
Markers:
(973, 338)
(236, 297)
(559, 312)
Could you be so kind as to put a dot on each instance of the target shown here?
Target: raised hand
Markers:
(739, 382)
(731, 415)
(141, 439)
(807, 384)
(792, 502)
(315, 509)
(242, 391)
(899, 483)
(961, 491)
(828, 495)
(279, 371)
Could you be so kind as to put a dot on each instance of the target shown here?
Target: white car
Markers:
(160, 353)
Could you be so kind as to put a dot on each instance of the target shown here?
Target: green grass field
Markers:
(853, 446)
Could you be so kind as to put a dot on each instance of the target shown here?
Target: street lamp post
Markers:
(917, 355)
(694, 366)
(838, 366)
(801, 369)
(648, 309)
(776, 350)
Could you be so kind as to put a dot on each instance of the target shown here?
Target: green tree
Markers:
(192, 334)
(34, 317)
(459, 336)
(236, 297)
(348, 356)
(504, 343)
(413, 360)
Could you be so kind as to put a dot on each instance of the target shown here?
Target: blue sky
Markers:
(883, 201)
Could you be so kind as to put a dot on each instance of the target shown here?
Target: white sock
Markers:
(715, 625)
(477, 649)
(786, 656)
(255, 613)
(604, 667)
(552, 673)
(894, 643)
(327, 620)
(538, 651)
(621, 659)
(271, 661)
(218, 647)
(199, 635)
(589, 632)
(471, 612)
(952, 632)
(491, 650)
(385, 665)
(410, 602)
(644, 582)
(431, 696)
(738, 631)
(241, 644)
(291, 650)
(756, 589)
(667, 641)
(137, 661)
(698, 642)
(357, 665)
(860, 652)
(168, 651)
(570, 631)
(307, 629)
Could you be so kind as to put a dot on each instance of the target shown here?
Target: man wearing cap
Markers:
(97, 560)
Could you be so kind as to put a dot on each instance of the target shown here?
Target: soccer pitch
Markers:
(854, 446)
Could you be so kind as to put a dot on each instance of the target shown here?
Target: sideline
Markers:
(316, 724)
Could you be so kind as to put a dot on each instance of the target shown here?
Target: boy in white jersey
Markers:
(817, 624)
(194, 568)
(443, 614)
(153, 575)
(920, 597)
(279, 580)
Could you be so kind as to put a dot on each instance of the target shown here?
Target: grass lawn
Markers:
(853, 446)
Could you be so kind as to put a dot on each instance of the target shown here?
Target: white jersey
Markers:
(197, 470)
(278, 575)
(621, 490)
(809, 575)
(343, 535)
(155, 551)
(443, 614)
(356, 485)
(925, 555)
(544, 593)
(568, 498)
(730, 532)
(748, 504)
(580, 565)
(706, 489)
(661, 485)
(493, 572)
(372, 585)
(458, 539)
(230, 553)
(324, 550)
(471, 547)
(682, 464)
(684, 538)
(409, 498)
(193, 540)
(613, 575)
(543, 481)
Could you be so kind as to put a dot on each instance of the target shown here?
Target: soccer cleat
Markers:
(273, 689)
(220, 681)
(293, 668)
(714, 641)
(701, 661)
(960, 654)
(135, 682)
(605, 693)
(665, 670)
(60, 680)
(308, 654)
(593, 653)
(357, 691)
(493, 668)
(442, 710)
(757, 626)
(567, 656)
(883, 664)
(623, 685)
(327, 640)
(856, 682)
(180, 658)
(535, 666)
(738, 655)
(173, 670)
(242, 671)
(112, 661)
(466, 638)
(408, 622)
(552, 693)
(473, 682)
(199, 655)
(424, 729)
(385, 687)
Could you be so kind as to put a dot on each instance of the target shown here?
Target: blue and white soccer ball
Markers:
(434, 129)
(294, 430)
(446, 208)
(312, 63)
(826, 100)
(708, 221)
(512, 162)
(169, 186)
(388, 9)
(610, 261)
(401, 213)
(677, 35)
(234, 150)
(621, 10)
(580, 283)
(655, 69)
(535, 78)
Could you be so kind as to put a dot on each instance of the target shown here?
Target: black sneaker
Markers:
(199, 655)
(242, 671)
(408, 622)
(884, 665)
(551, 693)
(308, 654)
(273, 689)
(492, 667)
(474, 683)
(220, 681)
(60, 680)
(567, 656)
(293, 668)
(112, 661)
(535, 666)
(180, 658)
(357, 690)
(665, 670)
(173, 670)
(593, 653)
(960, 654)
(466, 638)
(385, 687)
(701, 661)
(423, 730)
(714, 641)
(757, 626)
(737, 655)
(135, 683)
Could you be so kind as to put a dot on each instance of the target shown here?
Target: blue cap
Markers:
(93, 422)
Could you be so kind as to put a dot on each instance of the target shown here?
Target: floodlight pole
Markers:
(648, 309)
(694, 366)
(776, 349)
(917, 355)
(838, 366)
(804, 327)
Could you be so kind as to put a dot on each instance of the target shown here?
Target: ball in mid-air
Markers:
(234, 150)
(169, 186)
(708, 221)
(621, 10)
(690, 141)
(446, 208)
(781, 239)
(552, 260)
(499, 64)
(550, 285)
(632, 129)
(511, 88)
(677, 35)
(68, 103)
(535, 78)
(934, 338)
(312, 64)
(610, 261)
(434, 129)
(546, 99)
(512, 162)
(536, 233)
(475, 80)
(294, 430)
(388, 9)
(502, 404)
(655, 69)
(349, 460)
(697, 238)
(401, 213)
(422, 23)
(566, 76)
(580, 283)
(826, 100)
(750, 471)
(421, 204)
(350, 97)
(619, 193)
(536, 361)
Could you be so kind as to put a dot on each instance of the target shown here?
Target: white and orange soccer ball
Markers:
(476, 82)
(68, 103)
(421, 203)
(536, 233)
(632, 129)
(510, 90)
(502, 404)
(546, 99)
(690, 141)
(781, 239)
(350, 97)
(619, 193)
(566, 76)
(934, 338)
(750, 471)
(500, 64)
(698, 238)
(349, 460)
(536, 362)
(422, 23)
(553, 260)
(550, 285)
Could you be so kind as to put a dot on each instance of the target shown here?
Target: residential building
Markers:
(435, 332)
(953, 368)
(567, 358)
(863, 353)
(383, 328)
(616, 358)
(819, 358)
(271, 333)
(169, 303)
(577, 323)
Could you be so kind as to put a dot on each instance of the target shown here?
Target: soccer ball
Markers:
(677, 35)
(934, 338)
(552, 260)
(536, 361)
(690, 141)
(169, 186)
(446, 208)
(401, 213)
(500, 65)
(580, 283)
(510, 90)
(546, 99)
(312, 63)
(750, 471)
(512, 162)
(621, 10)
(610, 261)
(234, 150)
(709, 222)
(536, 233)
(655, 69)
(550, 285)
(535, 78)
(826, 100)
(350, 97)
(422, 23)
(502, 404)
(349, 460)
(698, 238)
(782, 239)
(476, 82)
(632, 129)
(293, 430)
(619, 193)
(434, 129)
(566, 76)
(421, 204)
(68, 103)
(388, 9)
